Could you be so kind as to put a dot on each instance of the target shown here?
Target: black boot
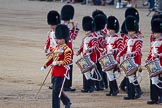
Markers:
(68, 105)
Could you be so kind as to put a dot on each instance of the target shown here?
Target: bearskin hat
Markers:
(113, 23)
(67, 12)
(87, 23)
(123, 29)
(97, 12)
(53, 17)
(156, 16)
(133, 12)
(62, 32)
(131, 24)
(156, 25)
(99, 22)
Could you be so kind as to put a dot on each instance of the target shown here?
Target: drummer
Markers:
(114, 46)
(88, 47)
(99, 26)
(132, 49)
(155, 53)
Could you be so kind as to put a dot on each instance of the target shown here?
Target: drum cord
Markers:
(98, 75)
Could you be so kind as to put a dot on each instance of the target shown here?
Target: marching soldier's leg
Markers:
(105, 80)
(111, 88)
(131, 90)
(160, 94)
(57, 83)
(116, 90)
(138, 90)
(85, 85)
(91, 85)
(123, 84)
(98, 83)
(153, 94)
(65, 100)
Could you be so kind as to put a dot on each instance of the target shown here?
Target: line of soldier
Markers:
(101, 37)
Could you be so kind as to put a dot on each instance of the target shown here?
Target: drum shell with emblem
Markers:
(85, 64)
(129, 66)
(154, 68)
(107, 62)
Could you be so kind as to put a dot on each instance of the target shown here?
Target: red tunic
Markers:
(101, 47)
(50, 42)
(156, 47)
(62, 59)
(91, 43)
(114, 42)
(133, 45)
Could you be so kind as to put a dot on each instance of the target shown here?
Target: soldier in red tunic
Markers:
(67, 14)
(155, 53)
(104, 32)
(88, 47)
(133, 12)
(114, 46)
(53, 19)
(59, 59)
(99, 25)
(132, 48)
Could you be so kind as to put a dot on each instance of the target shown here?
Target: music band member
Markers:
(114, 46)
(99, 26)
(155, 53)
(103, 32)
(67, 14)
(88, 47)
(53, 19)
(60, 58)
(133, 12)
(132, 49)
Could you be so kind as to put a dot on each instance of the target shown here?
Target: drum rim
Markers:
(88, 69)
(155, 73)
(151, 62)
(104, 56)
(110, 67)
(131, 73)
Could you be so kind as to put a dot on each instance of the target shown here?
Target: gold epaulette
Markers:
(67, 49)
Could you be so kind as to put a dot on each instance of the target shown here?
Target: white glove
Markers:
(54, 63)
(42, 68)
(61, 50)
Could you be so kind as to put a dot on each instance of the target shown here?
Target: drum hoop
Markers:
(149, 70)
(129, 73)
(156, 73)
(151, 62)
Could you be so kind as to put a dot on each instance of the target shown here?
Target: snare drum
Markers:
(85, 64)
(154, 68)
(107, 62)
(129, 66)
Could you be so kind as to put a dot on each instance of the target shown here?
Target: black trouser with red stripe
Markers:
(57, 84)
